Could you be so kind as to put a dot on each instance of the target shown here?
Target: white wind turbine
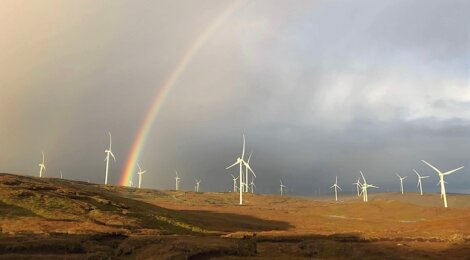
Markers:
(240, 161)
(196, 188)
(42, 166)
(139, 173)
(358, 184)
(420, 185)
(177, 181)
(282, 187)
(61, 174)
(441, 180)
(364, 188)
(108, 153)
(336, 188)
(234, 183)
(252, 185)
(401, 182)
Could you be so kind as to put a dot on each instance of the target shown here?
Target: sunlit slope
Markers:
(29, 204)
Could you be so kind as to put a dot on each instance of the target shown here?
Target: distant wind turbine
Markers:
(336, 188)
(234, 183)
(282, 187)
(365, 186)
(196, 188)
(42, 167)
(140, 173)
(401, 182)
(252, 185)
(177, 181)
(441, 180)
(108, 153)
(420, 185)
(241, 161)
(358, 184)
(61, 174)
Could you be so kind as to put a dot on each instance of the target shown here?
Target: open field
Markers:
(54, 218)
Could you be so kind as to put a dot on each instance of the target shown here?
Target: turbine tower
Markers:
(401, 182)
(420, 184)
(234, 183)
(441, 180)
(282, 187)
(108, 153)
(336, 188)
(196, 188)
(139, 173)
(365, 186)
(177, 181)
(241, 161)
(358, 184)
(61, 174)
(42, 166)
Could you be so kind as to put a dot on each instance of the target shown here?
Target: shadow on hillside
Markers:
(229, 222)
(13, 211)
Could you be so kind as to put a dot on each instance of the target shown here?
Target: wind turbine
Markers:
(336, 188)
(420, 185)
(401, 182)
(234, 183)
(42, 166)
(241, 161)
(358, 184)
(177, 181)
(441, 180)
(61, 174)
(364, 187)
(139, 173)
(282, 187)
(197, 185)
(246, 172)
(252, 184)
(108, 152)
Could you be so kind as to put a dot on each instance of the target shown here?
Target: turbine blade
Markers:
(339, 188)
(249, 168)
(363, 178)
(243, 151)
(249, 157)
(138, 165)
(434, 168)
(112, 155)
(416, 173)
(231, 165)
(424, 177)
(452, 171)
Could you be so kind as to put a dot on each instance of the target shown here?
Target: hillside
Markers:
(55, 218)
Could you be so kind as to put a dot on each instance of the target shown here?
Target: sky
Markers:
(319, 88)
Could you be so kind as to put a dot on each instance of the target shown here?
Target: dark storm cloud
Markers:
(320, 89)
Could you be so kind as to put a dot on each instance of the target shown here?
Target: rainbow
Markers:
(164, 90)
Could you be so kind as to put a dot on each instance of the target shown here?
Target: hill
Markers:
(54, 218)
